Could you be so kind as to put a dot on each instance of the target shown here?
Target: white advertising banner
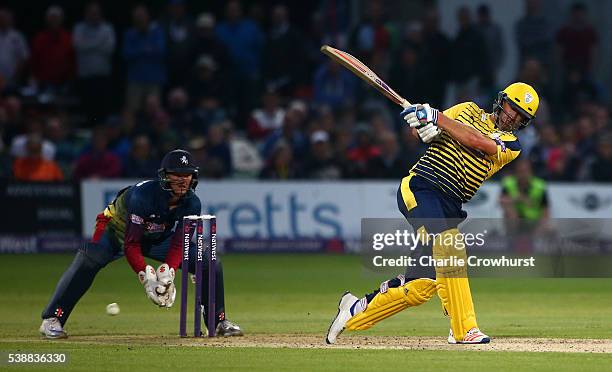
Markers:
(250, 209)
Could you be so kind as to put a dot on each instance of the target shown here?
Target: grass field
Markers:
(294, 297)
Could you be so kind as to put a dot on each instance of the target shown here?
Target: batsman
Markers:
(144, 220)
(466, 147)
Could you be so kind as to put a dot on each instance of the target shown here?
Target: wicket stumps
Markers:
(191, 224)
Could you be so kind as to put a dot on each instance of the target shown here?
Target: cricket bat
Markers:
(363, 72)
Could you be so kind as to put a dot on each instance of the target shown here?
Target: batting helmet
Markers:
(522, 98)
(177, 161)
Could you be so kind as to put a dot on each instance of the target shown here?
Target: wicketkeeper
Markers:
(144, 220)
(466, 147)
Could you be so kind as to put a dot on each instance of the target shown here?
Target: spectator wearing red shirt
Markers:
(364, 152)
(98, 161)
(53, 60)
(578, 39)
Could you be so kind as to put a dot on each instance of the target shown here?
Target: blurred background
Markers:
(291, 146)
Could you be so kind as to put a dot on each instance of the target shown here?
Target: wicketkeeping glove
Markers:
(166, 289)
(148, 279)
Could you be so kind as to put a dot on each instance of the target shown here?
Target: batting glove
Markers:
(428, 132)
(425, 119)
(148, 279)
(419, 115)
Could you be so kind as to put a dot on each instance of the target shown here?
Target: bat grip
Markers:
(406, 104)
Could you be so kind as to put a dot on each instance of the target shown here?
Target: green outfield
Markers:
(293, 297)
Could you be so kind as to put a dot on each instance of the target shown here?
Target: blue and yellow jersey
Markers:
(458, 170)
(146, 204)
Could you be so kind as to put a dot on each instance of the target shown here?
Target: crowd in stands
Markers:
(249, 94)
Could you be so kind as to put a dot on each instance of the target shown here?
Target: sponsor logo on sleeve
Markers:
(136, 219)
(500, 143)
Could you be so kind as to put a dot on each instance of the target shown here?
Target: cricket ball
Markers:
(112, 309)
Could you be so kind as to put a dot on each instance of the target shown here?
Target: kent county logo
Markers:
(528, 98)
(184, 159)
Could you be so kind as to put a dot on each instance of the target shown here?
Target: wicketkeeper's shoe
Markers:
(225, 328)
(473, 336)
(52, 328)
(344, 314)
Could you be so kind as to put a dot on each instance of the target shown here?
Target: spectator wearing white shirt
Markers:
(94, 42)
(15, 52)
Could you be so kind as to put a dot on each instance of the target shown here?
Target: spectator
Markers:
(291, 132)
(179, 29)
(533, 73)
(321, 163)
(334, 86)
(182, 117)
(436, 51)
(15, 52)
(148, 114)
(409, 73)
(493, 38)
(94, 42)
(411, 147)
(470, 70)
(19, 147)
(207, 113)
(550, 157)
(578, 40)
(601, 118)
(66, 144)
(6, 165)
(219, 159)
(244, 41)
(585, 139)
(371, 35)
(207, 82)
(268, 118)
(12, 120)
(534, 35)
(280, 166)
(33, 167)
(144, 48)
(53, 64)
(363, 153)
(141, 162)
(246, 161)
(524, 199)
(207, 43)
(284, 46)
(599, 168)
(388, 165)
(164, 137)
(118, 142)
(98, 161)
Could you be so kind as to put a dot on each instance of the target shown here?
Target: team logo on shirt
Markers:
(528, 98)
(153, 227)
(184, 159)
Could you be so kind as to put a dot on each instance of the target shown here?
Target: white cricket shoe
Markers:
(344, 314)
(52, 328)
(473, 336)
(225, 328)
